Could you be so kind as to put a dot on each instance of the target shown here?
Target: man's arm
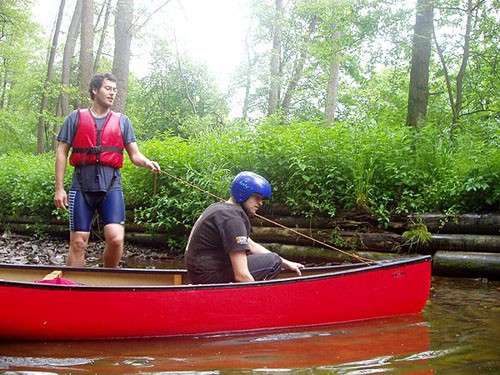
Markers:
(139, 159)
(60, 197)
(256, 248)
(240, 266)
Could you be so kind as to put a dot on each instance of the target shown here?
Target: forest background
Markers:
(345, 105)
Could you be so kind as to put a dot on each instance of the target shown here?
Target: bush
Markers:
(313, 169)
(27, 185)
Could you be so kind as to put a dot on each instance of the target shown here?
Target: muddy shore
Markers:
(16, 249)
(21, 249)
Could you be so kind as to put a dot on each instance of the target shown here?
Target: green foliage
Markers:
(418, 235)
(27, 185)
(20, 137)
(362, 34)
(367, 161)
(158, 102)
(313, 169)
(21, 66)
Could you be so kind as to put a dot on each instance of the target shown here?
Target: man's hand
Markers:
(293, 266)
(61, 199)
(152, 166)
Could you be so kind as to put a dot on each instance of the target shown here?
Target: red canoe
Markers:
(132, 303)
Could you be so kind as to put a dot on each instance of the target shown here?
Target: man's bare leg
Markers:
(115, 235)
(77, 245)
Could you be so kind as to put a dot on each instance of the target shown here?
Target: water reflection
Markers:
(362, 345)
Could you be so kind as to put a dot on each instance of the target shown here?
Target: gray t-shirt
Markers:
(95, 177)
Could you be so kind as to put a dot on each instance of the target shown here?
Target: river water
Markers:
(458, 332)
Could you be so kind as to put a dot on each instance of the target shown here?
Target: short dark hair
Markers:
(96, 82)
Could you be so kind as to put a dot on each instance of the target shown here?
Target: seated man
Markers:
(220, 250)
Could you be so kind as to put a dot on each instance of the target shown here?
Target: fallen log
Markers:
(385, 242)
(461, 224)
(23, 219)
(355, 223)
(309, 254)
(58, 230)
(157, 240)
(33, 223)
(464, 264)
(304, 222)
(389, 242)
(464, 242)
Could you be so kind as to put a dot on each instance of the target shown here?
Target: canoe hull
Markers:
(35, 311)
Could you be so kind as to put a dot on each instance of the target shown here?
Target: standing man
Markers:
(97, 137)
(220, 250)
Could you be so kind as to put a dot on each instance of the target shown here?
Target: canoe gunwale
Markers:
(330, 272)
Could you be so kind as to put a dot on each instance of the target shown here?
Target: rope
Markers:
(357, 257)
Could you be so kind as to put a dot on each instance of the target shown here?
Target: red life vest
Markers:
(97, 147)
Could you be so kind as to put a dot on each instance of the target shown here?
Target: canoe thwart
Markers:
(52, 275)
(178, 279)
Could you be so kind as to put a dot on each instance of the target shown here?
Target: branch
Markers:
(186, 90)
(99, 17)
(148, 16)
(478, 111)
(103, 35)
(445, 69)
(299, 66)
(465, 58)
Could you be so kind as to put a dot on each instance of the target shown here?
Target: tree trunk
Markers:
(5, 72)
(464, 242)
(462, 224)
(48, 78)
(69, 50)
(248, 79)
(333, 83)
(463, 264)
(184, 82)
(463, 66)
(446, 74)
(121, 59)
(344, 239)
(103, 36)
(456, 106)
(418, 95)
(308, 254)
(55, 131)
(86, 51)
(275, 60)
(297, 73)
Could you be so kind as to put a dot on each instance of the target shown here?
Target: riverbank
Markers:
(461, 246)
(19, 249)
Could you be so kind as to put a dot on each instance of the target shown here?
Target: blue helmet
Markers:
(247, 183)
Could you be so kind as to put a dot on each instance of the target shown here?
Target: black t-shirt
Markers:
(221, 229)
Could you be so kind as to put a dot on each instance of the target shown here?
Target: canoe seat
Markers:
(53, 275)
(178, 279)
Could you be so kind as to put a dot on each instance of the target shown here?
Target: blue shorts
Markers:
(111, 209)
